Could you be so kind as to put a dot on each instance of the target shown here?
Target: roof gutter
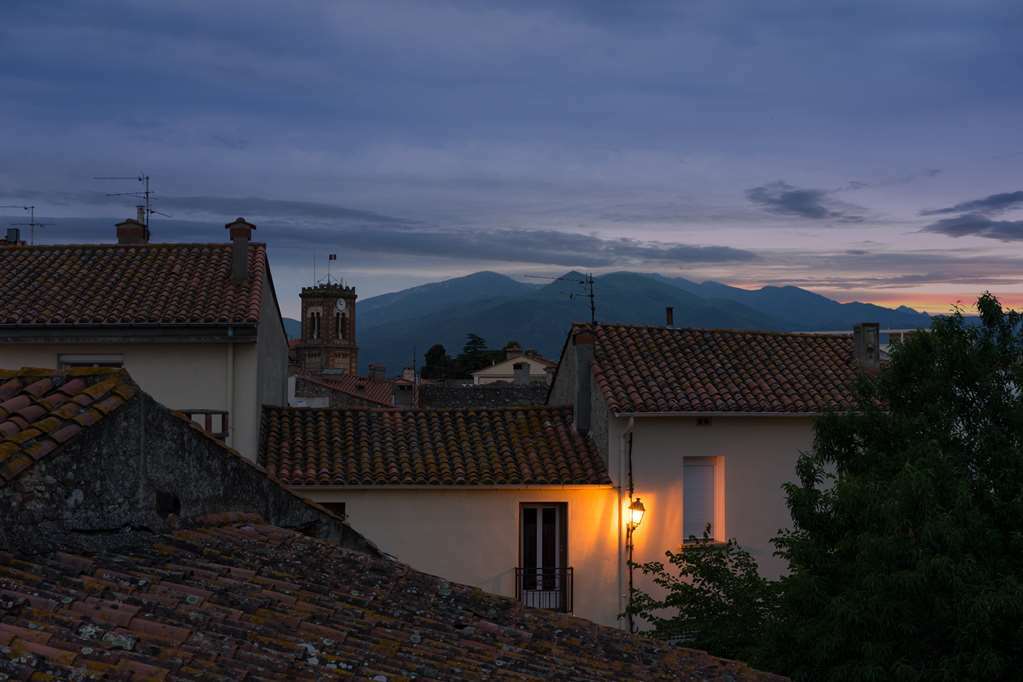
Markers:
(637, 415)
(468, 487)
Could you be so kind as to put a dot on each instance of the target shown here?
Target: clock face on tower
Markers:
(340, 306)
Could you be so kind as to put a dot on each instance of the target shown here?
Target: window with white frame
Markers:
(700, 505)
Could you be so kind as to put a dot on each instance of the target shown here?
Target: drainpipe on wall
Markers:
(230, 391)
(624, 450)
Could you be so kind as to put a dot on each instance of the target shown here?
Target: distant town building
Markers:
(198, 325)
(518, 366)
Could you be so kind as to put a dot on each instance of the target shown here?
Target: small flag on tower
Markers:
(332, 256)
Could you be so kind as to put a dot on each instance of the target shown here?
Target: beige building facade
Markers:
(205, 340)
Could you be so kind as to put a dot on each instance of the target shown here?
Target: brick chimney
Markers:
(241, 233)
(583, 344)
(521, 373)
(13, 238)
(669, 316)
(132, 231)
(377, 372)
(867, 345)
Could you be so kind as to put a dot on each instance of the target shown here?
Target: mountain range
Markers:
(500, 309)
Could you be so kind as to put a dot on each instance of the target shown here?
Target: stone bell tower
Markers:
(328, 329)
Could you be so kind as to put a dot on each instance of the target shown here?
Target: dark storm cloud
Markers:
(977, 225)
(784, 199)
(994, 203)
(291, 243)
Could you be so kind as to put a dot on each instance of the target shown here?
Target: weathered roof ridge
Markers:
(116, 245)
(41, 409)
(247, 600)
(715, 330)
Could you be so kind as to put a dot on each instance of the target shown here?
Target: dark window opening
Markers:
(167, 504)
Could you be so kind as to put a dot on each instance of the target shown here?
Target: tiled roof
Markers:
(497, 394)
(509, 446)
(40, 409)
(113, 284)
(370, 390)
(661, 369)
(237, 599)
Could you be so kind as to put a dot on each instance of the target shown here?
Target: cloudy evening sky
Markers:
(868, 150)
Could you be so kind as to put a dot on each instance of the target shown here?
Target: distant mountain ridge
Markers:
(394, 326)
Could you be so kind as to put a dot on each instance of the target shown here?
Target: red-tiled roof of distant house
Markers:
(128, 284)
(647, 369)
(460, 447)
(234, 598)
(369, 390)
(41, 409)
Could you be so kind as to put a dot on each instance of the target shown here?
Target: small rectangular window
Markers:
(69, 360)
(699, 498)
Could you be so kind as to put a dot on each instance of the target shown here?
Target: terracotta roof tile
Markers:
(335, 613)
(505, 446)
(370, 390)
(113, 284)
(663, 369)
(42, 413)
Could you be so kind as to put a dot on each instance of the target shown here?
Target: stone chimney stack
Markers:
(669, 316)
(13, 237)
(867, 345)
(512, 350)
(132, 231)
(241, 233)
(583, 344)
(521, 373)
(377, 372)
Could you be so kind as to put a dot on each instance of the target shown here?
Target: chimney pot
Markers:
(867, 345)
(13, 236)
(376, 371)
(140, 214)
(241, 232)
(132, 231)
(669, 316)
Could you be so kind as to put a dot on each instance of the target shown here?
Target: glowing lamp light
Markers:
(636, 511)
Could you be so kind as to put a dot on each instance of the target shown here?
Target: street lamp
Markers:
(636, 511)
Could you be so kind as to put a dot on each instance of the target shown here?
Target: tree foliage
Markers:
(713, 599)
(906, 553)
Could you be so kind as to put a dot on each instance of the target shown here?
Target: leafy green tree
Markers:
(713, 598)
(437, 363)
(906, 553)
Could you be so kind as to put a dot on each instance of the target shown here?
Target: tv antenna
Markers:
(146, 195)
(586, 282)
(31, 224)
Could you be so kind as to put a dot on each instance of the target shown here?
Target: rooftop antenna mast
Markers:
(588, 289)
(31, 224)
(146, 195)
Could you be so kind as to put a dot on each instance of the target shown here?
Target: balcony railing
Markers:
(544, 588)
(214, 422)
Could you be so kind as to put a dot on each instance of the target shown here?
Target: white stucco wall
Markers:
(758, 455)
(472, 536)
(505, 371)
